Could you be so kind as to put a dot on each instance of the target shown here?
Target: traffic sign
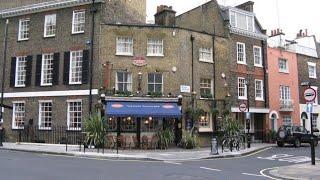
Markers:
(242, 107)
(310, 94)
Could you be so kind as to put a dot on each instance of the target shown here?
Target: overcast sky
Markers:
(293, 14)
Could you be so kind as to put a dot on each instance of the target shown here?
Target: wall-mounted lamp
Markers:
(223, 75)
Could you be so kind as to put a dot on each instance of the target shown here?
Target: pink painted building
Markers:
(283, 84)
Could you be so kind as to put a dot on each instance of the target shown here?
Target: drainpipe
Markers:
(93, 11)
(5, 44)
(264, 64)
(192, 78)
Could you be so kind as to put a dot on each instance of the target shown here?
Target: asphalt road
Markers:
(30, 166)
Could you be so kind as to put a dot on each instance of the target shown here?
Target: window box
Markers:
(123, 93)
(206, 95)
(155, 94)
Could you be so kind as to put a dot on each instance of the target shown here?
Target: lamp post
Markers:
(248, 118)
(1, 134)
(193, 96)
(310, 92)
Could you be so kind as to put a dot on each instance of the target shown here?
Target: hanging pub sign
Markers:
(139, 61)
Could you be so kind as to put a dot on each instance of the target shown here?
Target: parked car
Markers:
(295, 135)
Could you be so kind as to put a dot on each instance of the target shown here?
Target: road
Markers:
(30, 166)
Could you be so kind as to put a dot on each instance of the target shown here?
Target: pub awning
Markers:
(142, 109)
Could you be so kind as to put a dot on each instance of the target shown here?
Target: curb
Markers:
(275, 174)
(130, 158)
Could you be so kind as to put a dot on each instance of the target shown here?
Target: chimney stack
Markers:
(276, 32)
(247, 6)
(165, 16)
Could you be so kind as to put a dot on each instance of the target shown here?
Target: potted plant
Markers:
(96, 129)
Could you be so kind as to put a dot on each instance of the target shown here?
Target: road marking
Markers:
(262, 173)
(210, 169)
(287, 158)
(248, 174)
(169, 162)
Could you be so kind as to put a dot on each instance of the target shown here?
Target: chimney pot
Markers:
(306, 32)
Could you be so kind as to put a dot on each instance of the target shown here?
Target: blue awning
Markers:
(142, 109)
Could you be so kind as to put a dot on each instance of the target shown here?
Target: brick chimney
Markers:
(247, 6)
(302, 34)
(276, 32)
(165, 16)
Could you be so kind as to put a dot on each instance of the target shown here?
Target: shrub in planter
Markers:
(189, 139)
(96, 130)
(271, 136)
(166, 137)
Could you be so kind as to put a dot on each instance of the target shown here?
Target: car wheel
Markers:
(297, 143)
(282, 134)
(280, 144)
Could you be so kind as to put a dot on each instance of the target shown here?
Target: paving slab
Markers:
(174, 154)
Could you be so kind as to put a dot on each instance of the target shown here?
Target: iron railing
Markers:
(286, 105)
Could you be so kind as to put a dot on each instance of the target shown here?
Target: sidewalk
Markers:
(298, 172)
(176, 154)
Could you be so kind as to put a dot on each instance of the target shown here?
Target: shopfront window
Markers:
(112, 124)
(150, 124)
(128, 124)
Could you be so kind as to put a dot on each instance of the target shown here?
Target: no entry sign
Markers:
(310, 94)
(242, 107)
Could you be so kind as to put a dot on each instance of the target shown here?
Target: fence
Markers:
(54, 135)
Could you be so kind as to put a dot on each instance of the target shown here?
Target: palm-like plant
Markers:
(96, 130)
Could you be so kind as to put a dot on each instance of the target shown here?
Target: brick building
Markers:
(283, 83)
(47, 76)
(156, 66)
(245, 70)
(306, 48)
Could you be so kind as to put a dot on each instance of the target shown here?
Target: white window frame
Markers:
(21, 72)
(202, 87)
(261, 86)
(78, 22)
(128, 45)
(285, 93)
(155, 83)
(205, 54)
(75, 66)
(233, 12)
(259, 56)
(245, 89)
(128, 83)
(24, 30)
(50, 20)
(244, 53)
(155, 47)
(68, 114)
(314, 76)
(14, 114)
(287, 66)
(46, 69)
(40, 120)
(208, 117)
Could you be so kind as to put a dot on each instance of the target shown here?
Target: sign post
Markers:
(310, 95)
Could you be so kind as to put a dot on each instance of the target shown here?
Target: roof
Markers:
(44, 6)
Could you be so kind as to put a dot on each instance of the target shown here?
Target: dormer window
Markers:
(241, 20)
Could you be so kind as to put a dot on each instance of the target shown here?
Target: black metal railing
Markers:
(53, 135)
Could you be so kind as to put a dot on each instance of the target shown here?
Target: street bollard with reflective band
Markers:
(214, 146)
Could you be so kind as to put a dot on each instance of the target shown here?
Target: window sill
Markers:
(75, 83)
(20, 86)
(44, 129)
(242, 98)
(155, 55)
(123, 54)
(241, 63)
(286, 72)
(75, 33)
(205, 61)
(258, 66)
(20, 40)
(17, 128)
(45, 85)
(205, 130)
(201, 98)
(74, 129)
(49, 36)
(312, 77)
(259, 99)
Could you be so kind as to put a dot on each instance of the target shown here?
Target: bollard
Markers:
(1, 135)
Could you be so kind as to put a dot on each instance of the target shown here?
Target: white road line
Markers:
(248, 174)
(210, 169)
(168, 162)
(263, 170)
